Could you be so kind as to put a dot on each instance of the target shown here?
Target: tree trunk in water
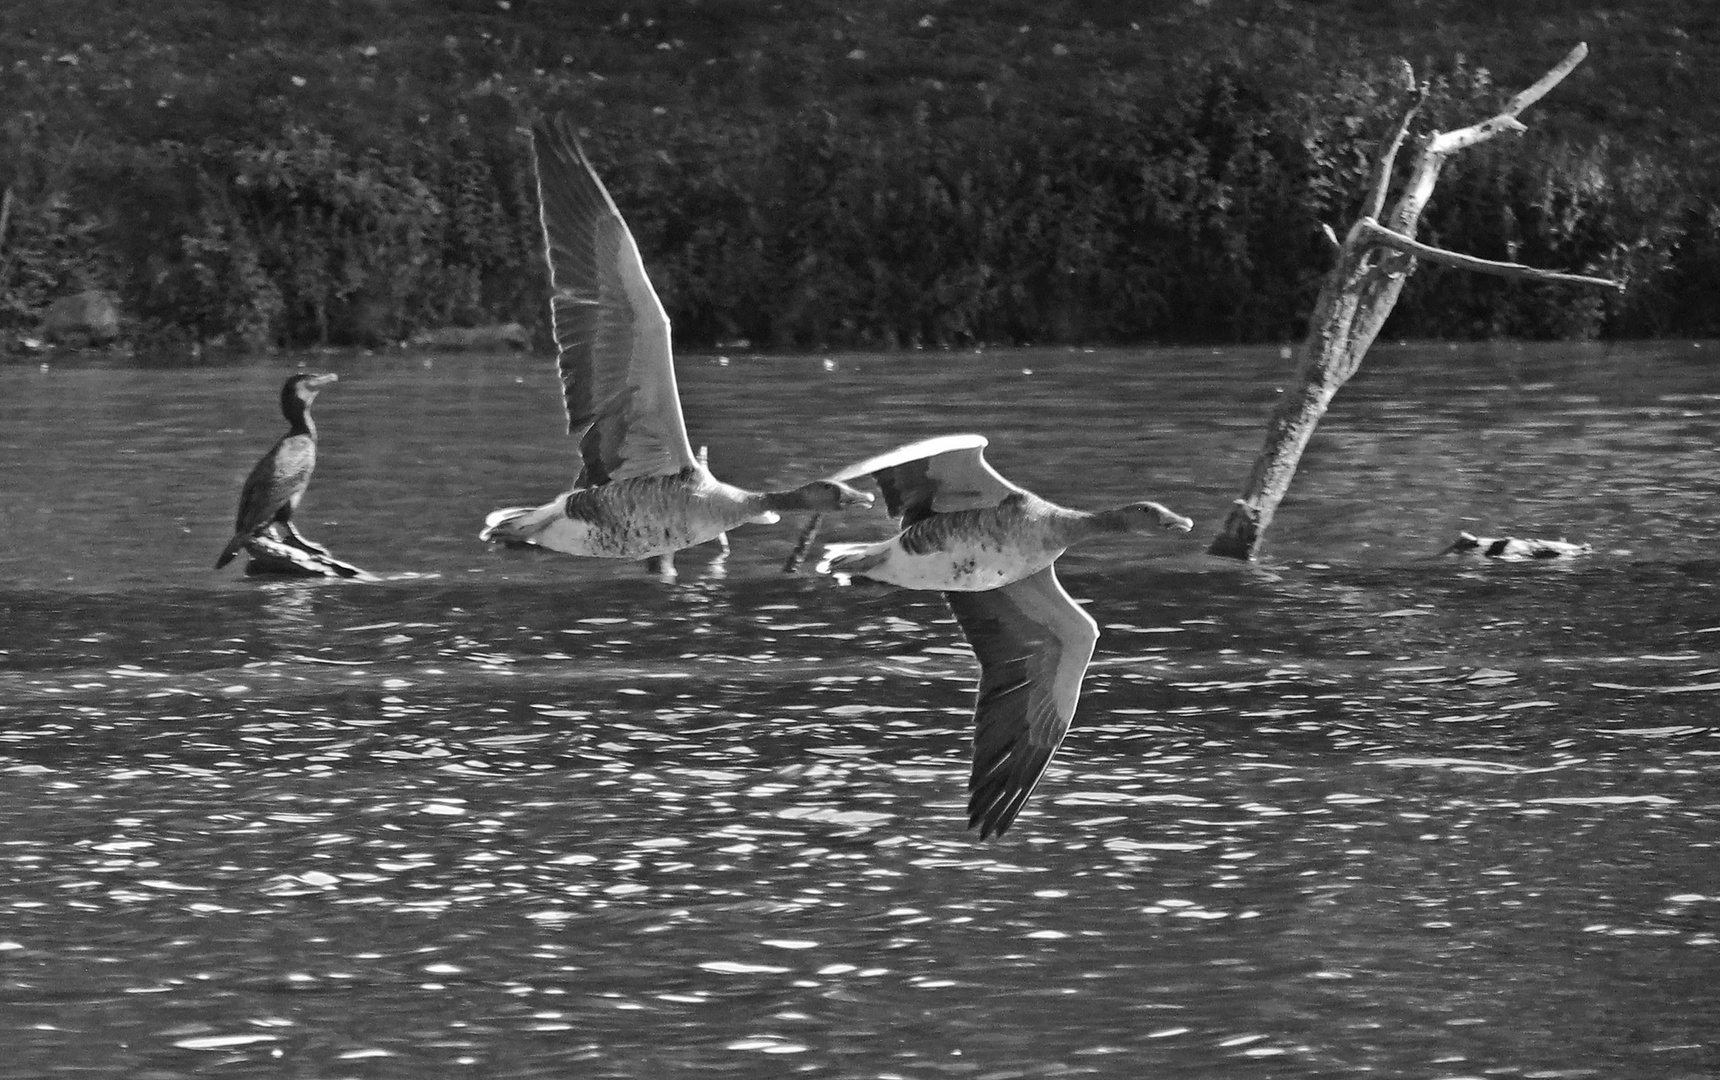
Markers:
(1353, 304)
(1357, 296)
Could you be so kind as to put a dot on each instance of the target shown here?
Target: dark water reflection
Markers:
(1355, 811)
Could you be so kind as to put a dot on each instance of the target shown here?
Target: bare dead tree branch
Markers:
(1445, 143)
(1523, 100)
(1380, 181)
(1484, 266)
(1359, 292)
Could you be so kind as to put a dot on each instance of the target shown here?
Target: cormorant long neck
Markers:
(298, 413)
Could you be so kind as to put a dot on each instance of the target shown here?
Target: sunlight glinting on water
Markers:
(1356, 810)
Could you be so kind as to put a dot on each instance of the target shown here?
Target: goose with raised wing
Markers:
(990, 546)
(641, 491)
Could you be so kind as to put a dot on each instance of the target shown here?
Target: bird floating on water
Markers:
(1513, 549)
(278, 481)
(990, 546)
(641, 492)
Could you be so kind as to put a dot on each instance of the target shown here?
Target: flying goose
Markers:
(990, 546)
(641, 492)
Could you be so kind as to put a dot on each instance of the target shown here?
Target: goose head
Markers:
(823, 496)
(1144, 517)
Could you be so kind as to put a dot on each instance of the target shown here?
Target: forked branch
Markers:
(1447, 141)
(1381, 180)
(1360, 291)
(1444, 143)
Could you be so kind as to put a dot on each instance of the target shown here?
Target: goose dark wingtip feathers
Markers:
(997, 798)
(991, 547)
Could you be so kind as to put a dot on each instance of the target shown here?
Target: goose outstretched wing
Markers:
(1033, 643)
(934, 476)
(611, 332)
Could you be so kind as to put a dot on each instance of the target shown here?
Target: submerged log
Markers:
(1374, 260)
(271, 556)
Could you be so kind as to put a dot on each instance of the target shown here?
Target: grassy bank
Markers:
(843, 174)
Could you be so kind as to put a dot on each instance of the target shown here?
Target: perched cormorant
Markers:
(990, 547)
(641, 492)
(278, 481)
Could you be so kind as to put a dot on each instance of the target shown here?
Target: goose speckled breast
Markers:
(980, 549)
(651, 515)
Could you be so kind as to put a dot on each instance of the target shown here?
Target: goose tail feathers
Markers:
(852, 558)
(518, 524)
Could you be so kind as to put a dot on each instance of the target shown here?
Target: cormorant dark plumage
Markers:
(278, 481)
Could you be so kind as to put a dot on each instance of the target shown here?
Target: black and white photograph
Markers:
(860, 539)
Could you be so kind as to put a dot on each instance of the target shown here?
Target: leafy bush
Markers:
(268, 176)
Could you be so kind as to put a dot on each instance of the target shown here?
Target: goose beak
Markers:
(852, 498)
(1170, 519)
(317, 382)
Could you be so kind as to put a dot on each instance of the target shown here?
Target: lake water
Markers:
(1355, 810)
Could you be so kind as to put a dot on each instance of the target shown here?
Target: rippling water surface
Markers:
(1357, 809)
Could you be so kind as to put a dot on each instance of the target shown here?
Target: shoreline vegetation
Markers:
(831, 174)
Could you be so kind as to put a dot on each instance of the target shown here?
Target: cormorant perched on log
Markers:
(278, 481)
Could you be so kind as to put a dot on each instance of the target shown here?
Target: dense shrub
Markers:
(952, 188)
